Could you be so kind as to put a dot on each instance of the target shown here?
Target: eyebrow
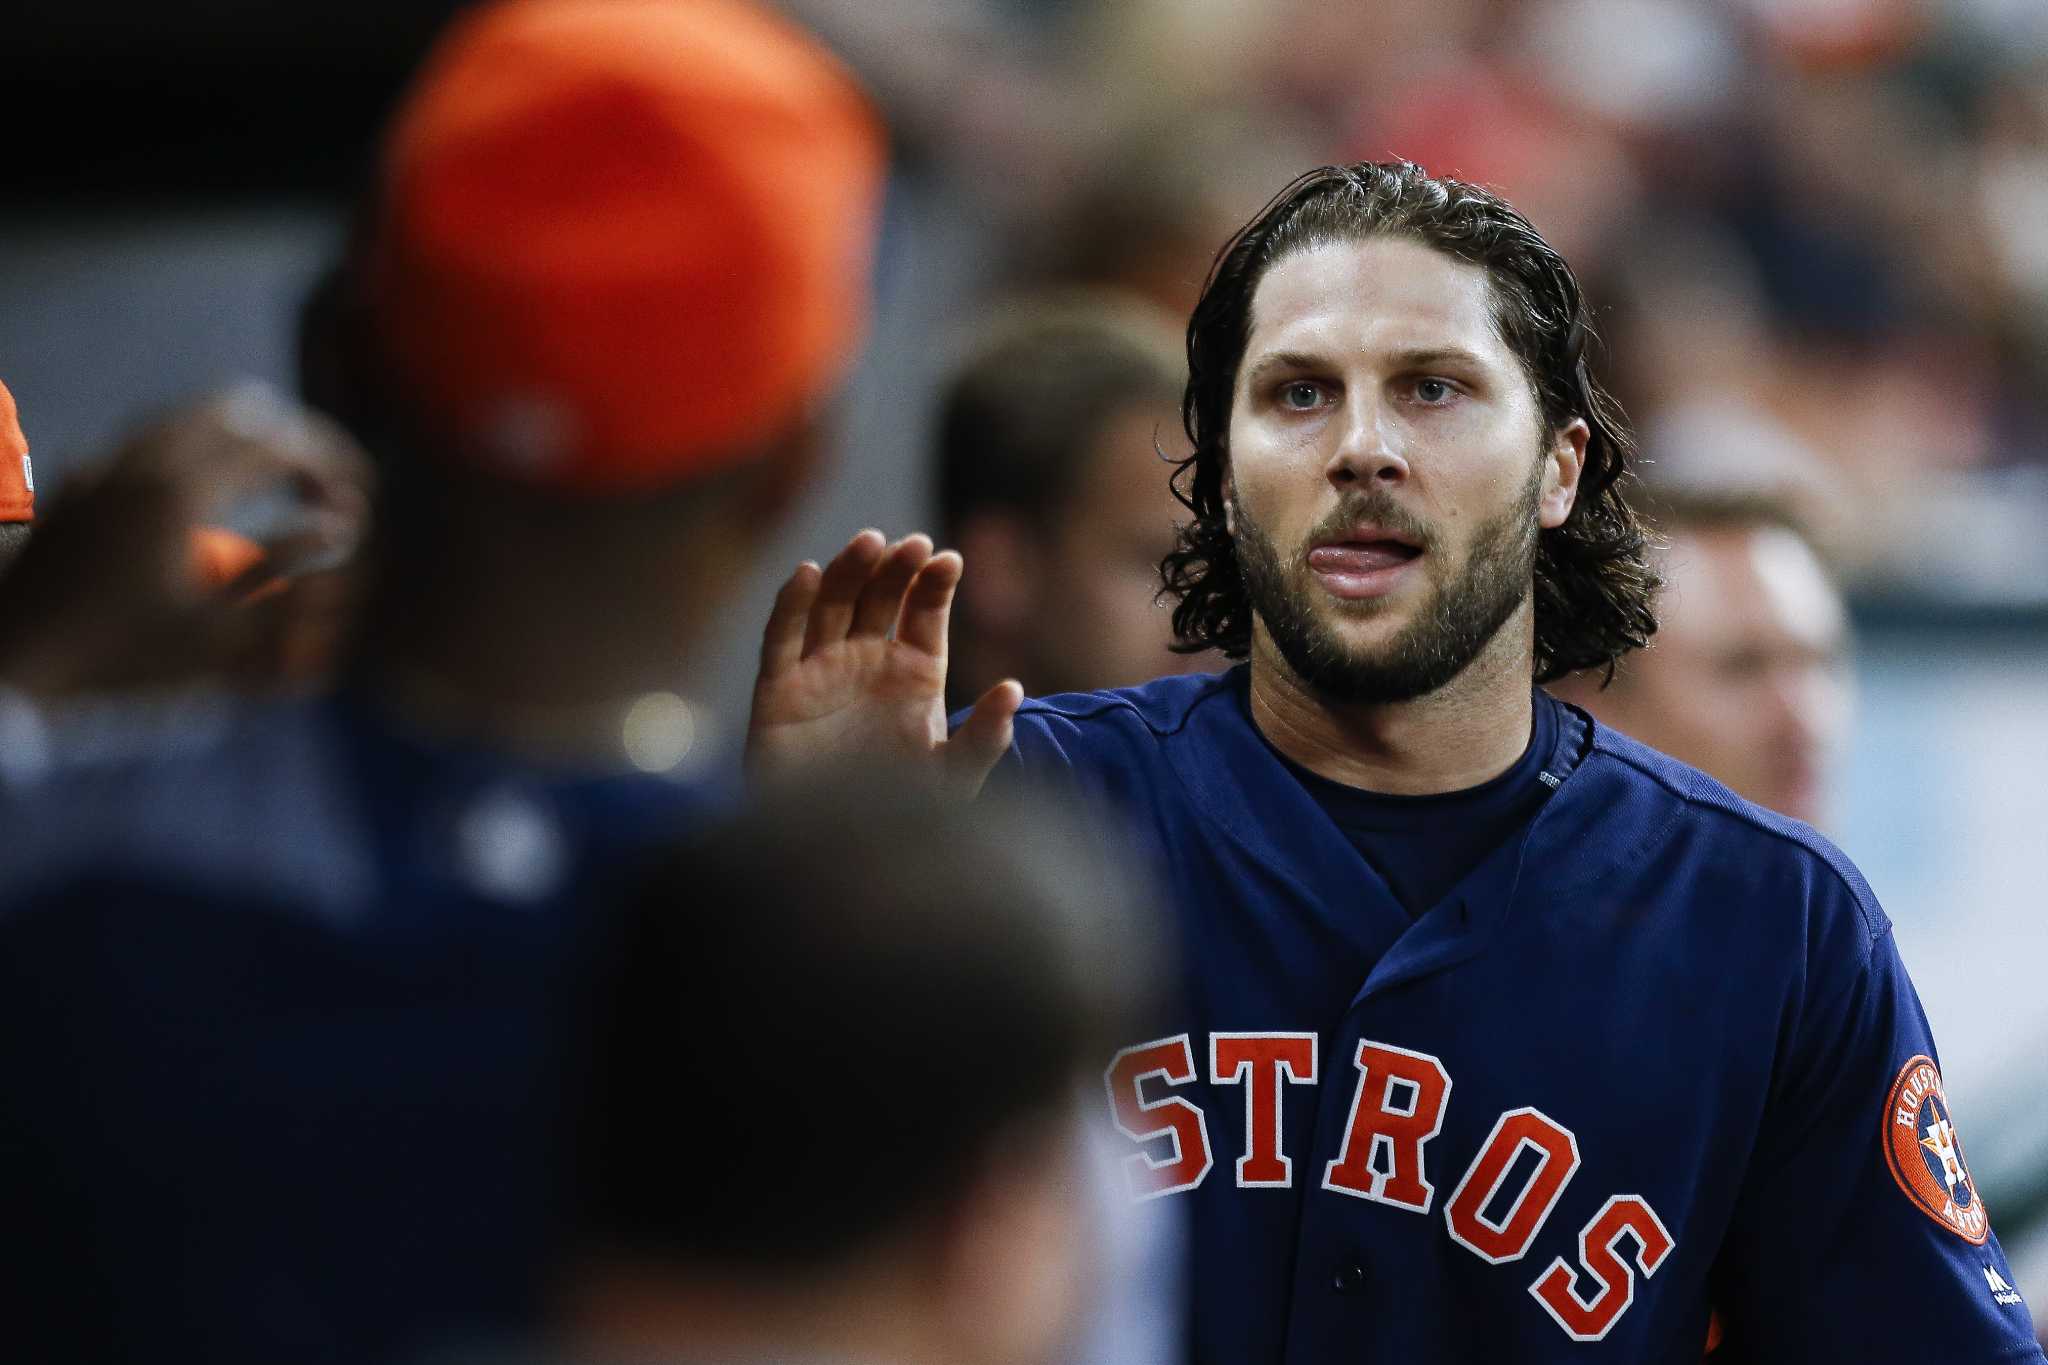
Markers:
(1424, 357)
(1414, 358)
(1280, 361)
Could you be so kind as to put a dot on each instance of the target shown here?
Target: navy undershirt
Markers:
(1422, 846)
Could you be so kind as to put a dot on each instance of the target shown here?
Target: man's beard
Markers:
(1458, 620)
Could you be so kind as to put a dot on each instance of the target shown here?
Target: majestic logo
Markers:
(2000, 1290)
(1926, 1156)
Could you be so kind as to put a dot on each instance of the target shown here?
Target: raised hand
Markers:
(854, 661)
(110, 595)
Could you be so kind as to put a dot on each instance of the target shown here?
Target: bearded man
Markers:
(1501, 1034)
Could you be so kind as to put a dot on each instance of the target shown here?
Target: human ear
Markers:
(1563, 463)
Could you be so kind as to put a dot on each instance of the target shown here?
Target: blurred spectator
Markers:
(1748, 675)
(1052, 481)
(1149, 215)
(279, 990)
(1027, 115)
(983, 959)
(2011, 277)
(1492, 128)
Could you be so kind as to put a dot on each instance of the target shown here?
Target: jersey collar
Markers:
(1251, 800)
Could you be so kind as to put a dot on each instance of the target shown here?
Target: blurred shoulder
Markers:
(200, 792)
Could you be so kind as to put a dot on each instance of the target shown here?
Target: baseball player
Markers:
(278, 993)
(1505, 1037)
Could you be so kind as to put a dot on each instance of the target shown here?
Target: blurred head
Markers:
(834, 1082)
(614, 269)
(1748, 679)
(621, 244)
(1400, 449)
(1147, 220)
(1053, 486)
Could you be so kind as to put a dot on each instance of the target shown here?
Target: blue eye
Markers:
(1432, 390)
(1300, 395)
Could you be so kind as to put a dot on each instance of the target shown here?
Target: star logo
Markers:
(1926, 1156)
(1941, 1140)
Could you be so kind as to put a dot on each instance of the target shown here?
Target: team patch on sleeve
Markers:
(1926, 1156)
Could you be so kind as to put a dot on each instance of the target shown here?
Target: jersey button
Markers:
(1348, 1279)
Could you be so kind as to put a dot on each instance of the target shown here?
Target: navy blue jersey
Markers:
(278, 1021)
(1654, 1058)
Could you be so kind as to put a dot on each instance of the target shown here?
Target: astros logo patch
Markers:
(1926, 1157)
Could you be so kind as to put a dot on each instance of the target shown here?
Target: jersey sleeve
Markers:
(1860, 1233)
(1048, 753)
(1043, 747)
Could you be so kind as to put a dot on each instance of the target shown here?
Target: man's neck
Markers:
(1465, 733)
(538, 678)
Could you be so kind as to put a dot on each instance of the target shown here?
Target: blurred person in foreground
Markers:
(279, 994)
(1748, 676)
(1051, 481)
(1503, 1034)
(837, 1086)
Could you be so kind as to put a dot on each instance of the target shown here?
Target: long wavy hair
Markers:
(1594, 585)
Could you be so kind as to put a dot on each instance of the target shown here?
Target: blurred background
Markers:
(1815, 233)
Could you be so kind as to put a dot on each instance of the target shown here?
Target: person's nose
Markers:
(1366, 451)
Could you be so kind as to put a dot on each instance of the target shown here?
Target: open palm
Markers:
(854, 660)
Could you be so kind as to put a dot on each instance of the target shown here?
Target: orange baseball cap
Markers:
(623, 243)
(17, 476)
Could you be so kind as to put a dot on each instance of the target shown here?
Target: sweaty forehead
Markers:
(1378, 294)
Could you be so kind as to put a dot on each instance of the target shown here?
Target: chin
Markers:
(1364, 637)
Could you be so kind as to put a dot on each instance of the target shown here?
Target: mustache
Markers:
(1374, 505)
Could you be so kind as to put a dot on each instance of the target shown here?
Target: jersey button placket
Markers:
(1349, 1279)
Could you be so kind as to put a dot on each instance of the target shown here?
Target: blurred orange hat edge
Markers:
(624, 244)
(17, 475)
